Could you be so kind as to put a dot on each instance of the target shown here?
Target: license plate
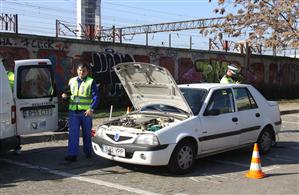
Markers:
(114, 151)
(37, 113)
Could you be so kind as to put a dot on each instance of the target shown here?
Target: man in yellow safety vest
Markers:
(83, 94)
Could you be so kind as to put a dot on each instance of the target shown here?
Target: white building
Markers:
(88, 16)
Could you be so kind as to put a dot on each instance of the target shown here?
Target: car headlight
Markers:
(100, 131)
(147, 139)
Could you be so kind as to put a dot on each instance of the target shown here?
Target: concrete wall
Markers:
(276, 77)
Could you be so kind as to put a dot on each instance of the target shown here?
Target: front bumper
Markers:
(136, 154)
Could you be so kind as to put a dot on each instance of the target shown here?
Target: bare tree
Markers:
(271, 23)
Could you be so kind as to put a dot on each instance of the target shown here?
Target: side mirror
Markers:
(213, 112)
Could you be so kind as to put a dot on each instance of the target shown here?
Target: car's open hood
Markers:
(150, 84)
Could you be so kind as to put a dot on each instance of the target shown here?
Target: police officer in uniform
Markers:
(83, 94)
(231, 74)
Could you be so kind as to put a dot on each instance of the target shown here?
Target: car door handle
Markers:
(257, 114)
(235, 119)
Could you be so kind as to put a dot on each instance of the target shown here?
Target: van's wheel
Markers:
(265, 141)
(182, 158)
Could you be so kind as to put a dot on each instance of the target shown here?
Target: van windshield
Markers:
(35, 82)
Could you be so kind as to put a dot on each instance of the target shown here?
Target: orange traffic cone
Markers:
(128, 109)
(255, 171)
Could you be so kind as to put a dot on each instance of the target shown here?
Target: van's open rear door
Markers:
(35, 96)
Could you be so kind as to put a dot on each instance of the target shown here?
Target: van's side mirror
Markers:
(213, 112)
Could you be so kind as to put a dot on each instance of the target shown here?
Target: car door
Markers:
(35, 97)
(220, 125)
(249, 115)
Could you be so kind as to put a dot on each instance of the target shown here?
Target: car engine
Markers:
(144, 122)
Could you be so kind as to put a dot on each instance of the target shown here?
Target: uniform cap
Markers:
(233, 68)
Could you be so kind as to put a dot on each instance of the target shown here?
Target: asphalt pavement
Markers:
(286, 107)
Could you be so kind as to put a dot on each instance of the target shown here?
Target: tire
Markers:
(182, 158)
(265, 141)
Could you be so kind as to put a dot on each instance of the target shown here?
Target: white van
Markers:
(31, 106)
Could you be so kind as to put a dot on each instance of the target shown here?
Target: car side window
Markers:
(221, 101)
(244, 99)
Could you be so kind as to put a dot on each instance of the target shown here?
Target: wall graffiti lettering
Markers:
(4, 41)
(40, 44)
(102, 69)
(24, 42)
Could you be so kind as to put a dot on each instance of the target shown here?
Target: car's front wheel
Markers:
(182, 158)
(265, 141)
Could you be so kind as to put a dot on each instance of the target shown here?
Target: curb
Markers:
(44, 137)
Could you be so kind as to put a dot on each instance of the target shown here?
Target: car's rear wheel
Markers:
(265, 141)
(182, 158)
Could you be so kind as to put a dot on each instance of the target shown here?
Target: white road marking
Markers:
(243, 165)
(290, 122)
(207, 177)
(218, 176)
(80, 178)
(200, 178)
(291, 115)
(180, 194)
(265, 169)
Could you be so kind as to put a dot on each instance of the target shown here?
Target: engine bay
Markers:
(144, 122)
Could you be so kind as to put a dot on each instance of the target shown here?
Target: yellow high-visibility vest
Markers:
(11, 78)
(81, 98)
(225, 79)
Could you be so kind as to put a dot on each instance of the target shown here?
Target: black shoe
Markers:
(88, 156)
(70, 158)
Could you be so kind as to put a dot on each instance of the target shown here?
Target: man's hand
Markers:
(64, 96)
(88, 112)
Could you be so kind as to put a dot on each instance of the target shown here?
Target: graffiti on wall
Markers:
(101, 64)
(202, 70)
(12, 54)
(186, 67)
(102, 69)
(25, 42)
(63, 66)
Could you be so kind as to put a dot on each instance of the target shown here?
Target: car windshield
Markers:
(194, 98)
(162, 108)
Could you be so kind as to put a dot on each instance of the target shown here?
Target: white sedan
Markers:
(173, 125)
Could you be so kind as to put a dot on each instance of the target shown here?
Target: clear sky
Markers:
(38, 17)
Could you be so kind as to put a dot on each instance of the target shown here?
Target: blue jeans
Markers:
(77, 119)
